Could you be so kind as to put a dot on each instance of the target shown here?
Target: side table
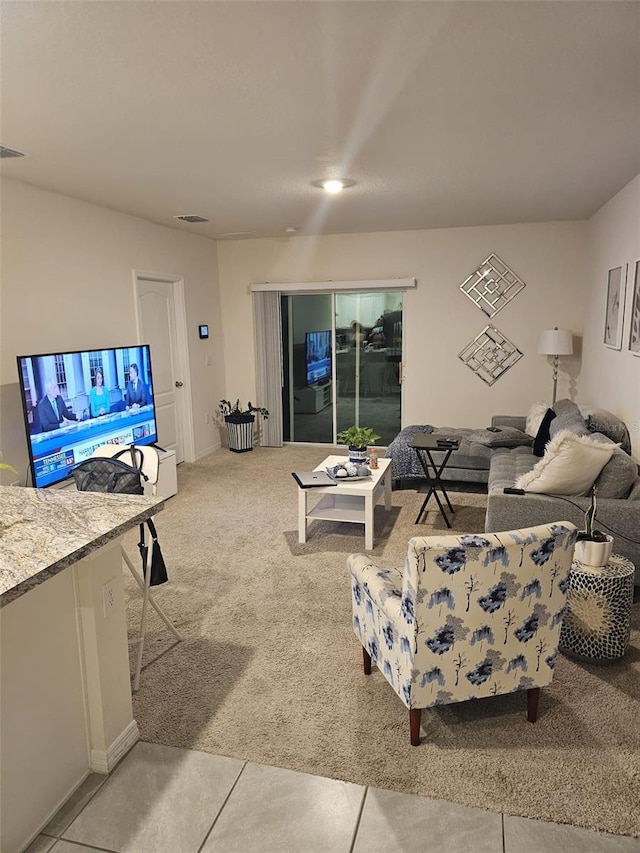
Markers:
(597, 623)
(424, 444)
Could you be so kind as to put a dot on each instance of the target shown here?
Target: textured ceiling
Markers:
(444, 113)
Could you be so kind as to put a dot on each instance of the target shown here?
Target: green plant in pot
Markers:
(239, 421)
(358, 440)
(593, 547)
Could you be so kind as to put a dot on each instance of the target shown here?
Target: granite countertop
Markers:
(42, 531)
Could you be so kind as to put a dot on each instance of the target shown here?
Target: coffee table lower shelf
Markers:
(339, 508)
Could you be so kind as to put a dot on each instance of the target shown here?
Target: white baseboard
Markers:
(208, 450)
(104, 762)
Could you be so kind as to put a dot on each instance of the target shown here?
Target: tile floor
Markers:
(165, 800)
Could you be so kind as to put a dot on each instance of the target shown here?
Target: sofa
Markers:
(501, 459)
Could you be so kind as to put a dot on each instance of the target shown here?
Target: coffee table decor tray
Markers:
(353, 472)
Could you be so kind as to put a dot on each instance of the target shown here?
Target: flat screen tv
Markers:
(74, 402)
(318, 356)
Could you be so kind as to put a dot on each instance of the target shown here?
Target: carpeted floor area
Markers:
(270, 671)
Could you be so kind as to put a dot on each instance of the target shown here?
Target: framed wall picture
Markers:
(614, 313)
(634, 331)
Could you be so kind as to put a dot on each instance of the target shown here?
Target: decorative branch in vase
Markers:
(593, 547)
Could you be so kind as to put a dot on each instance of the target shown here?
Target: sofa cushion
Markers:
(566, 407)
(569, 466)
(543, 435)
(601, 420)
(507, 465)
(506, 437)
(618, 475)
(571, 421)
(469, 455)
(534, 418)
(634, 494)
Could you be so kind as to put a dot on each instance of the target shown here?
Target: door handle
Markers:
(179, 384)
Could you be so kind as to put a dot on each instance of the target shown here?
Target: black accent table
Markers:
(423, 445)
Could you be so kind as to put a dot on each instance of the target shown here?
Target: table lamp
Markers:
(555, 342)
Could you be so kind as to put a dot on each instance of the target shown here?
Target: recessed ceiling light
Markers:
(333, 185)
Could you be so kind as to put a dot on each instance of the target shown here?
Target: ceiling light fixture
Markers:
(333, 185)
(291, 230)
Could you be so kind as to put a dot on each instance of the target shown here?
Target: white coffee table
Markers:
(351, 501)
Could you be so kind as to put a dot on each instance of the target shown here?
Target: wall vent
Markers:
(191, 217)
(9, 152)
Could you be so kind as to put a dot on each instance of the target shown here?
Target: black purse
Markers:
(110, 474)
(158, 567)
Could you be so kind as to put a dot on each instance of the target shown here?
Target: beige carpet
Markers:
(270, 670)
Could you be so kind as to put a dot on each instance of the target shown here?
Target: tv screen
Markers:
(318, 356)
(74, 402)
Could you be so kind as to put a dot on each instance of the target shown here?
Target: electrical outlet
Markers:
(207, 418)
(108, 597)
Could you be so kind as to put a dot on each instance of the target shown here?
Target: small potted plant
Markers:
(239, 421)
(358, 440)
(593, 548)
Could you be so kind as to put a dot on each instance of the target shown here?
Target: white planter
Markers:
(593, 553)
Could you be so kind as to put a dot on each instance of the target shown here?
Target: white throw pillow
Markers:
(534, 418)
(569, 466)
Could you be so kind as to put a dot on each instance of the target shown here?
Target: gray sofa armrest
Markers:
(620, 518)
(515, 421)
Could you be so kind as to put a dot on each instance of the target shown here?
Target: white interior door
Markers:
(157, 319)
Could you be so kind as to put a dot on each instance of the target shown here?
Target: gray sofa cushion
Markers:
(601, 420)
(573, 421)
(507, 464)
(507, 437)
(469, 455)
(566, 407)
(618, 475)
(634, 494)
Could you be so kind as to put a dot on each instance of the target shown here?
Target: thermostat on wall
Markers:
(203, 331)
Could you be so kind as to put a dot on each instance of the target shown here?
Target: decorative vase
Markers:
(240, 432)
(593, 553)
(357, 454)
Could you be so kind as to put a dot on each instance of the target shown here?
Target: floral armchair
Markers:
(470, 616)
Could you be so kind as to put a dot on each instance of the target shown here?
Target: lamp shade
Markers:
(555, 342)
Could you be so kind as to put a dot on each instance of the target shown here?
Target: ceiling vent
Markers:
(191, 217)
(9, 152)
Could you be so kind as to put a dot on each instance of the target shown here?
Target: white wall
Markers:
(612, 377)
(67, 284)
(439, 319)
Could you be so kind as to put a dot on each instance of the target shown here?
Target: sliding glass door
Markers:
(342, 364)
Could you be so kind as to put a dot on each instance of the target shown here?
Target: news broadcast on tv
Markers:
(75, 402)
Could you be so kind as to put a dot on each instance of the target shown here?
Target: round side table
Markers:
(597, 623)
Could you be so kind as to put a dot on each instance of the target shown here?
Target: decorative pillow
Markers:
(543, 436)
(507, 437)
(571, 421)
(604, 421)
(566, 407)
(534, 418)
(569, 466)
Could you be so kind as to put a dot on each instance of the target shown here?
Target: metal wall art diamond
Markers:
(490, 355)
(492, 285)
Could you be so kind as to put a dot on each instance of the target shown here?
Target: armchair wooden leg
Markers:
(533, 697)
(366, 660)
(414, 725)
